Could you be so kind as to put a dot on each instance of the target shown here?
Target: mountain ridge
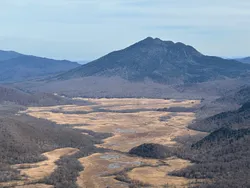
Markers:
(161, 61)
(15, 67)
(244, 60)
(229, 119)
(6, 55)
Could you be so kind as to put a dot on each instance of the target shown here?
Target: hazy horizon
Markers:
(85, 30)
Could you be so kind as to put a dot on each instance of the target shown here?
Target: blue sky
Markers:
(88, 29)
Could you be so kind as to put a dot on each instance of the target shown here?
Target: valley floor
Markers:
(132, 122)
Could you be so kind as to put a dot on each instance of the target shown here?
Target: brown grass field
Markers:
(159, 175)
(130, 129)
(34, 172)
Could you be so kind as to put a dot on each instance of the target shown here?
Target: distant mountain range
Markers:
(244, 60)
(149, 68)
(162, 62)
(16, 67)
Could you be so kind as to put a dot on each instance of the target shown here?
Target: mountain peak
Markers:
(153, 39)
(161, 61)
(156, 41)
(156, 45)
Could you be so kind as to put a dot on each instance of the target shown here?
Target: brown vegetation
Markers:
(131, 121)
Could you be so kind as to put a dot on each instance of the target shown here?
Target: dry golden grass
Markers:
(98, 166)
(130, 130)
(60, 107)
(45, 168)
(137, 103)
(145, 127)
(133, 103)
(137, 127)
(158, 176)
(40, 170)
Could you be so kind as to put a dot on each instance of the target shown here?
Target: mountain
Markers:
(244, 60)
(160, 61)
(15, 67)
(225, 119)
(6, 55)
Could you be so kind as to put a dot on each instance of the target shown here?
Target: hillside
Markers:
(238, 96)
(222, 156)
(240, 117)
(161, 61)
(151, 150)
(222, 136)
(24, 138)
(6, 55)
(244, 60)
(16, 68)
(13, 96)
